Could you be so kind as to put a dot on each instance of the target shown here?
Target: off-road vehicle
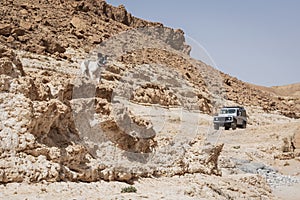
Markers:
(231, 117)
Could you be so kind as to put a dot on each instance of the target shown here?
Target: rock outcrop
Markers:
(44, 137)
(51, 26)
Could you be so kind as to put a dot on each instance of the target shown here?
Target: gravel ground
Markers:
(276, 179)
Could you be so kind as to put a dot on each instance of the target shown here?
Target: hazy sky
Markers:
(257, 41)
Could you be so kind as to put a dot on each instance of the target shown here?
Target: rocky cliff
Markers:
(51, 26)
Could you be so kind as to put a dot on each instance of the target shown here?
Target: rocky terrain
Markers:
(291, 90)
(142, 118)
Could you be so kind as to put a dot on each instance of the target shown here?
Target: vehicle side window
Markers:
(231, 111)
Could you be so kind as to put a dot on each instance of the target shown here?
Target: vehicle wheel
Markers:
(216, 127)
(244, 125)
(227, 127)
(233, 126)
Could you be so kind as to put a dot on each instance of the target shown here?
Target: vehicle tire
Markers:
(216, 127)
(227, 127)
(233, 125)
(244, 124)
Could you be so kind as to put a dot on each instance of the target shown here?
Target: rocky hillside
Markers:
(292, 90)
(54, 28)
(269, 99)
(146, 112)
(51, 26)
(47, 110)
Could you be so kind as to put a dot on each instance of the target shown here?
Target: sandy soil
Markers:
(288, 192)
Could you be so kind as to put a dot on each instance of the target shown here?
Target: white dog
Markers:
(92, 69)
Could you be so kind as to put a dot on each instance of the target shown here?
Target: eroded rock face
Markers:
(51, 26)
(129, 132)
(16, 165)
(154, 94)
(10, 65)
(32, 128)
(171, 91)
(39, 132)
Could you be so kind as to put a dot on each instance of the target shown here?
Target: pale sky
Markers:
(257, 41)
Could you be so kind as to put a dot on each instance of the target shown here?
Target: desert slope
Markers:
(288, 90)
(291, 90)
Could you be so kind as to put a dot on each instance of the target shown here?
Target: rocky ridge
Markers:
(51, 26)
(247, 94)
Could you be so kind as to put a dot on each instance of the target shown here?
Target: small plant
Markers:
(236, 147)
(129, 189)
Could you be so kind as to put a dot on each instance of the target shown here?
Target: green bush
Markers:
(128, 189)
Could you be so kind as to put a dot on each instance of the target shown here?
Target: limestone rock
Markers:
(78, 24)
(153, 94)
(5, 29)
(9, 63)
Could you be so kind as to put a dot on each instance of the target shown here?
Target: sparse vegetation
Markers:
(129, 189)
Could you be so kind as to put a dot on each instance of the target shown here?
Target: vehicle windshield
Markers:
(227, 111)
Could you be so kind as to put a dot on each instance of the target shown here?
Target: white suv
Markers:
(231, 117)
